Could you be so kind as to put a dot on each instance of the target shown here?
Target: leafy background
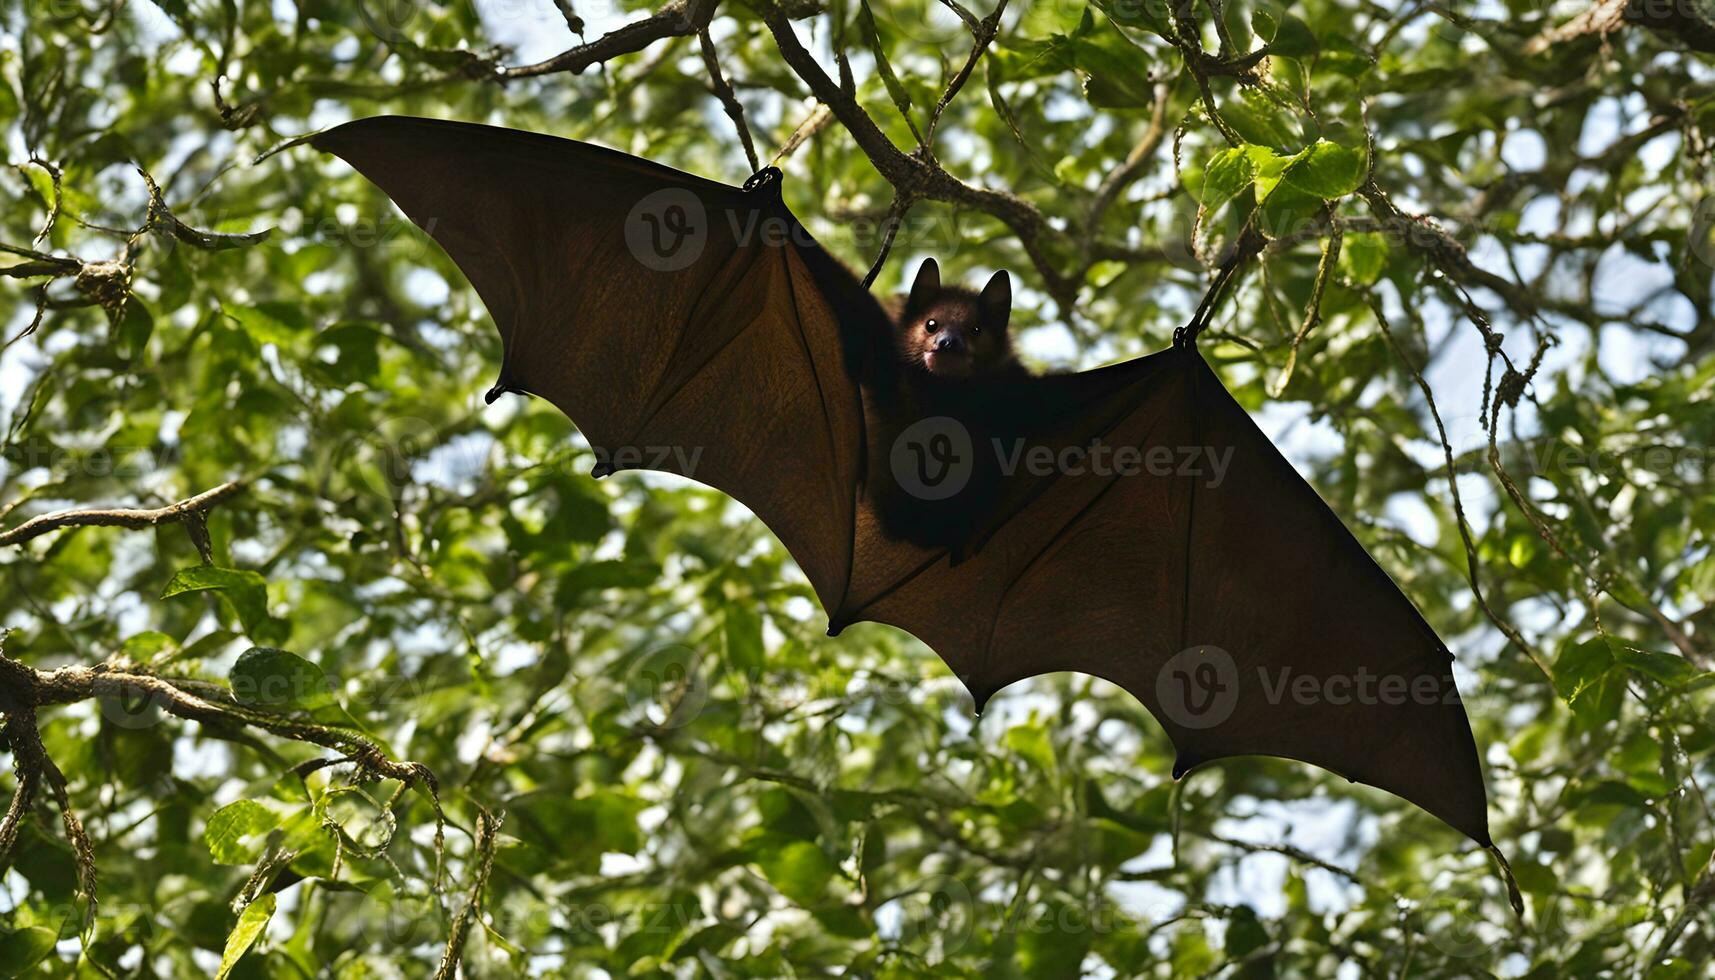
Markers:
(1481, 326)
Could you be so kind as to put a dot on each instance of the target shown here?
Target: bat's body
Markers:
(1129, 522)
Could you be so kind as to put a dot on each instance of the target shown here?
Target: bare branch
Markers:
(984, 33)
(184, 510)
(1673, 21)
(482, 854)
(729, 98)
(912, 174)
(815, 122)
(677, 19)
(1115, 183)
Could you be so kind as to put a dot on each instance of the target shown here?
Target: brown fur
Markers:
(954, 332)
(972, 382)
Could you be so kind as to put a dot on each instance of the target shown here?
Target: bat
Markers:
(1129, 522)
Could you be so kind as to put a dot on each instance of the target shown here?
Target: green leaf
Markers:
(245, 594)
(1227, 175)
(251, 922)
(1267, 166)
(1580, 666)
(1364, 255)
(599, 575)
(1326, 170)
(604, 821)
(1116, 843)
(743, 631)
(355, 350)
(1033, 744)
(147, 645)
(1664, 667)
(234, 822)
(1109, 62)
(22, 949)
(263, 325)
(1292, 38)
(799, 870)
(136, 326)
(272, 678)
(1260, 121)
(1151, 17)
(1245, 933)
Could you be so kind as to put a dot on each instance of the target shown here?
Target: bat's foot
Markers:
(501, 387)
(979, 698)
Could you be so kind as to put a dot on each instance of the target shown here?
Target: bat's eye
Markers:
(930, 325)
(976, 329)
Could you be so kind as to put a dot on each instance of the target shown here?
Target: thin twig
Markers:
(1312, 313)
(677, 19)
(729, 99)
(895, 216)
(815, 122)
(482, 852)
(983, 34)
(1473, 564)
(1122, 176)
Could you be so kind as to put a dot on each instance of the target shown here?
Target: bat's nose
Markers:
(949, 342)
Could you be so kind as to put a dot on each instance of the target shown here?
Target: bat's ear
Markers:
(996, 300)
(928, 283)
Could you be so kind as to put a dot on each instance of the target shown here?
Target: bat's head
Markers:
(953, 332)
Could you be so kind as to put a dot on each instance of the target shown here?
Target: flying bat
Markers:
(1129, 522)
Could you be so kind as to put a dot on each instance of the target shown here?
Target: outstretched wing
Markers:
(674, 319)
(695, 328)
(1150, 534)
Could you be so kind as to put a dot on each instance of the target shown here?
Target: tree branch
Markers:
(482, 855)
(729, 98)
(24, 689)
(189, 511)
(677, 19)
(913, 176)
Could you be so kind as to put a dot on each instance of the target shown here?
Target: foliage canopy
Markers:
(1482, 326)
